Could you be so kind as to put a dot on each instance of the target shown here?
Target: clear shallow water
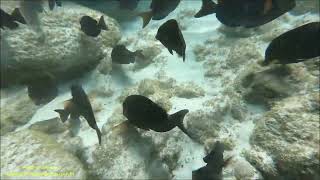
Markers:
(217, 60)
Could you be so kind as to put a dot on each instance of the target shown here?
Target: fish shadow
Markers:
(145, 148)
(119, 75)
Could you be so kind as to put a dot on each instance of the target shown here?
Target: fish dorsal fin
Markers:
(17, 16)
(146, 17)
(102, 24)
(208, 7)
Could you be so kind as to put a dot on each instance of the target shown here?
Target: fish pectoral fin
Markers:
(146, 17)
(102, 24)
(63, 114)
(17, 16)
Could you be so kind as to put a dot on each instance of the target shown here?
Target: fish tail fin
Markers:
(98, 134)
(63, 114)
(178, 118)
(17, 16)
(146, 17)
(208, 7)
(102, 24)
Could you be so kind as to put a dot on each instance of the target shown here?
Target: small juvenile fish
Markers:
(121, 55)
(42, 90)
(10, 21)
(245, 13)
(145, 114)
(91, 27)
(159, 10)
(215, 164)
(170, 35)
(78, 106)
(53, 3)
(128, 4)
(295, 46)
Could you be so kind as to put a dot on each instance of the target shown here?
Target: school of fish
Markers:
(294, 46)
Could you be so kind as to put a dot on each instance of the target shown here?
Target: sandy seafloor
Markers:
(196, 32)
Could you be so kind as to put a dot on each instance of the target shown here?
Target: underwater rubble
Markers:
(266, 117)
(60, 49)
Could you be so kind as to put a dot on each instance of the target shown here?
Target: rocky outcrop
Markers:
(61, 133)
(35, 155)
(267, 85)
(289, 132)
(16, 110)
(61, 48)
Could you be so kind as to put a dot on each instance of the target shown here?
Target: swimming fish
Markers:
(78, 106)
(159, 10)
(43, 89)
(121, 55)
(128, 4)
(53, 3)
(91, 27)
(215, 164)
(294, 46)
(10, 21)
(245, 13)
(170, 35)
(145, 114)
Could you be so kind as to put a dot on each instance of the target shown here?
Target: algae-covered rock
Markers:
(16, 111)
(246, 54)
(266, 86)
(204, 125)
(259, 159)
(243, 170)
(105, 65)
(35, 155)
(290, 133)
(189, 90)
(150, 51)
(61, 133)
(62, 49)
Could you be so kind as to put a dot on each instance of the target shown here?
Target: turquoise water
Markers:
(267, 117)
